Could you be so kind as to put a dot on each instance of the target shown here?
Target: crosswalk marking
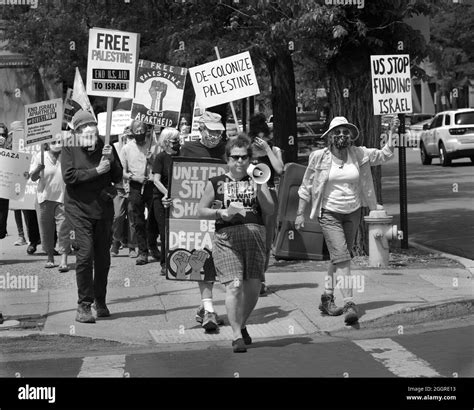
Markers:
(103, 366)
(396, 358)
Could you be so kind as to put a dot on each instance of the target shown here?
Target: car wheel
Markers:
(425, 158)
(443, 156)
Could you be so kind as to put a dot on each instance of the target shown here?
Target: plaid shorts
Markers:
(239, 252)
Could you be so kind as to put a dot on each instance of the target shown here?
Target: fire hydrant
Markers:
(381, 231)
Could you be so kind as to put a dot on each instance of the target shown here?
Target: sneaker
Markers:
(31, 249)
(84, 313)
(20, 241)
(351, 315)
(263, 289)
(142, 259)
(246, 336)
(163, 273)
(132, 253)
(200, 316)
(328, 307)
(114, 250)
(101, 309)
(239, 346)
(209, 321)
(155, 254)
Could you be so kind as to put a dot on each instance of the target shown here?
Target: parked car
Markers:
(415, 131)
(450, 135)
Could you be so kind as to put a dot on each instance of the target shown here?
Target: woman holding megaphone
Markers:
(264, 152)
(237, 203)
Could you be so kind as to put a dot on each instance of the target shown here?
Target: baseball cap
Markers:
(81, 118)
(212, 121)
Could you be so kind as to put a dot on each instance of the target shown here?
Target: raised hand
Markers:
(181, 258)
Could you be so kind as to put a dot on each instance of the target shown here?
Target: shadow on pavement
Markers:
(288, 286)
(362, 308)
(133, 313)
(282, 342)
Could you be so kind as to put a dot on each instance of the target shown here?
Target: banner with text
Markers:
(13, 174)
(43, 121)
(28, 201)
(391, 84)
(112, 63)
(159, 93)
(225, 80)
(189, 242)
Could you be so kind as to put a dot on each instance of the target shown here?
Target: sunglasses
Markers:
(342, 131)
(237, 157)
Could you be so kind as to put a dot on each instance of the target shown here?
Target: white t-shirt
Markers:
(341, 193)
(133, 157)
(50, 185)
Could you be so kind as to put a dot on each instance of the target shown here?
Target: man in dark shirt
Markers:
(89, 168)
(211, 145)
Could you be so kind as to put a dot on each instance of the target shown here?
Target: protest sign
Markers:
(43, 121)
(13, 173)
(224, 80)
(112, 63)
(159, 93)
(120, 120)
(29, 199)
(189, 242)
(391, 84)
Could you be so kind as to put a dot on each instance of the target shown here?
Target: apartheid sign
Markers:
(112, 63)
(189, 242)
(391, 84)
(43, 121)
(224, 80)
(13, 173)
(159, 93)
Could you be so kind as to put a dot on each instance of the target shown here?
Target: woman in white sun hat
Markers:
(337, 183)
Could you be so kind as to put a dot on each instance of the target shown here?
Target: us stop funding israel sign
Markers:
(224, 80)
(112, 63)
(391, 84)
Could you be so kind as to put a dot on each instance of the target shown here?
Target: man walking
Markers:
(89, 168)
(137, 164)
(211, 145)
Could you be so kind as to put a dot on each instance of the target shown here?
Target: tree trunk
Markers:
(282, 75)
(351, 97)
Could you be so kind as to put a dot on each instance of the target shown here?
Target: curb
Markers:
(429, 312)
(467, 263)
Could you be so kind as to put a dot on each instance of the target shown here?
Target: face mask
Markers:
(140, 139)
(341, 141)
(209, 140)
(175, 146)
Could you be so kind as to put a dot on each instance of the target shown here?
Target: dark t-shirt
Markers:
(162, 165)
(244, 191)
(197, 150)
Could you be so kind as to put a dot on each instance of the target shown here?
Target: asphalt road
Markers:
(440, 202)
(418, 352)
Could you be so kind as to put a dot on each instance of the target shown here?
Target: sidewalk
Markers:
(153, 310)
(165, 313)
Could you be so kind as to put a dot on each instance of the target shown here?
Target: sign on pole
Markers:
(224, 80)
(13, 174)
(189, 242)
(120, 120)
(391, 84)
(159, 93)
(43, 121)
(112, 62)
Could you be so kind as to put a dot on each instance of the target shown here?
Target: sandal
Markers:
(63, 268)
(50, 265)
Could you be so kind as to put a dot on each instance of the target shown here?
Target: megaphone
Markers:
(260, 173)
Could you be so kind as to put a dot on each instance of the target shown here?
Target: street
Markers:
(440, 202)
(421, 351)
